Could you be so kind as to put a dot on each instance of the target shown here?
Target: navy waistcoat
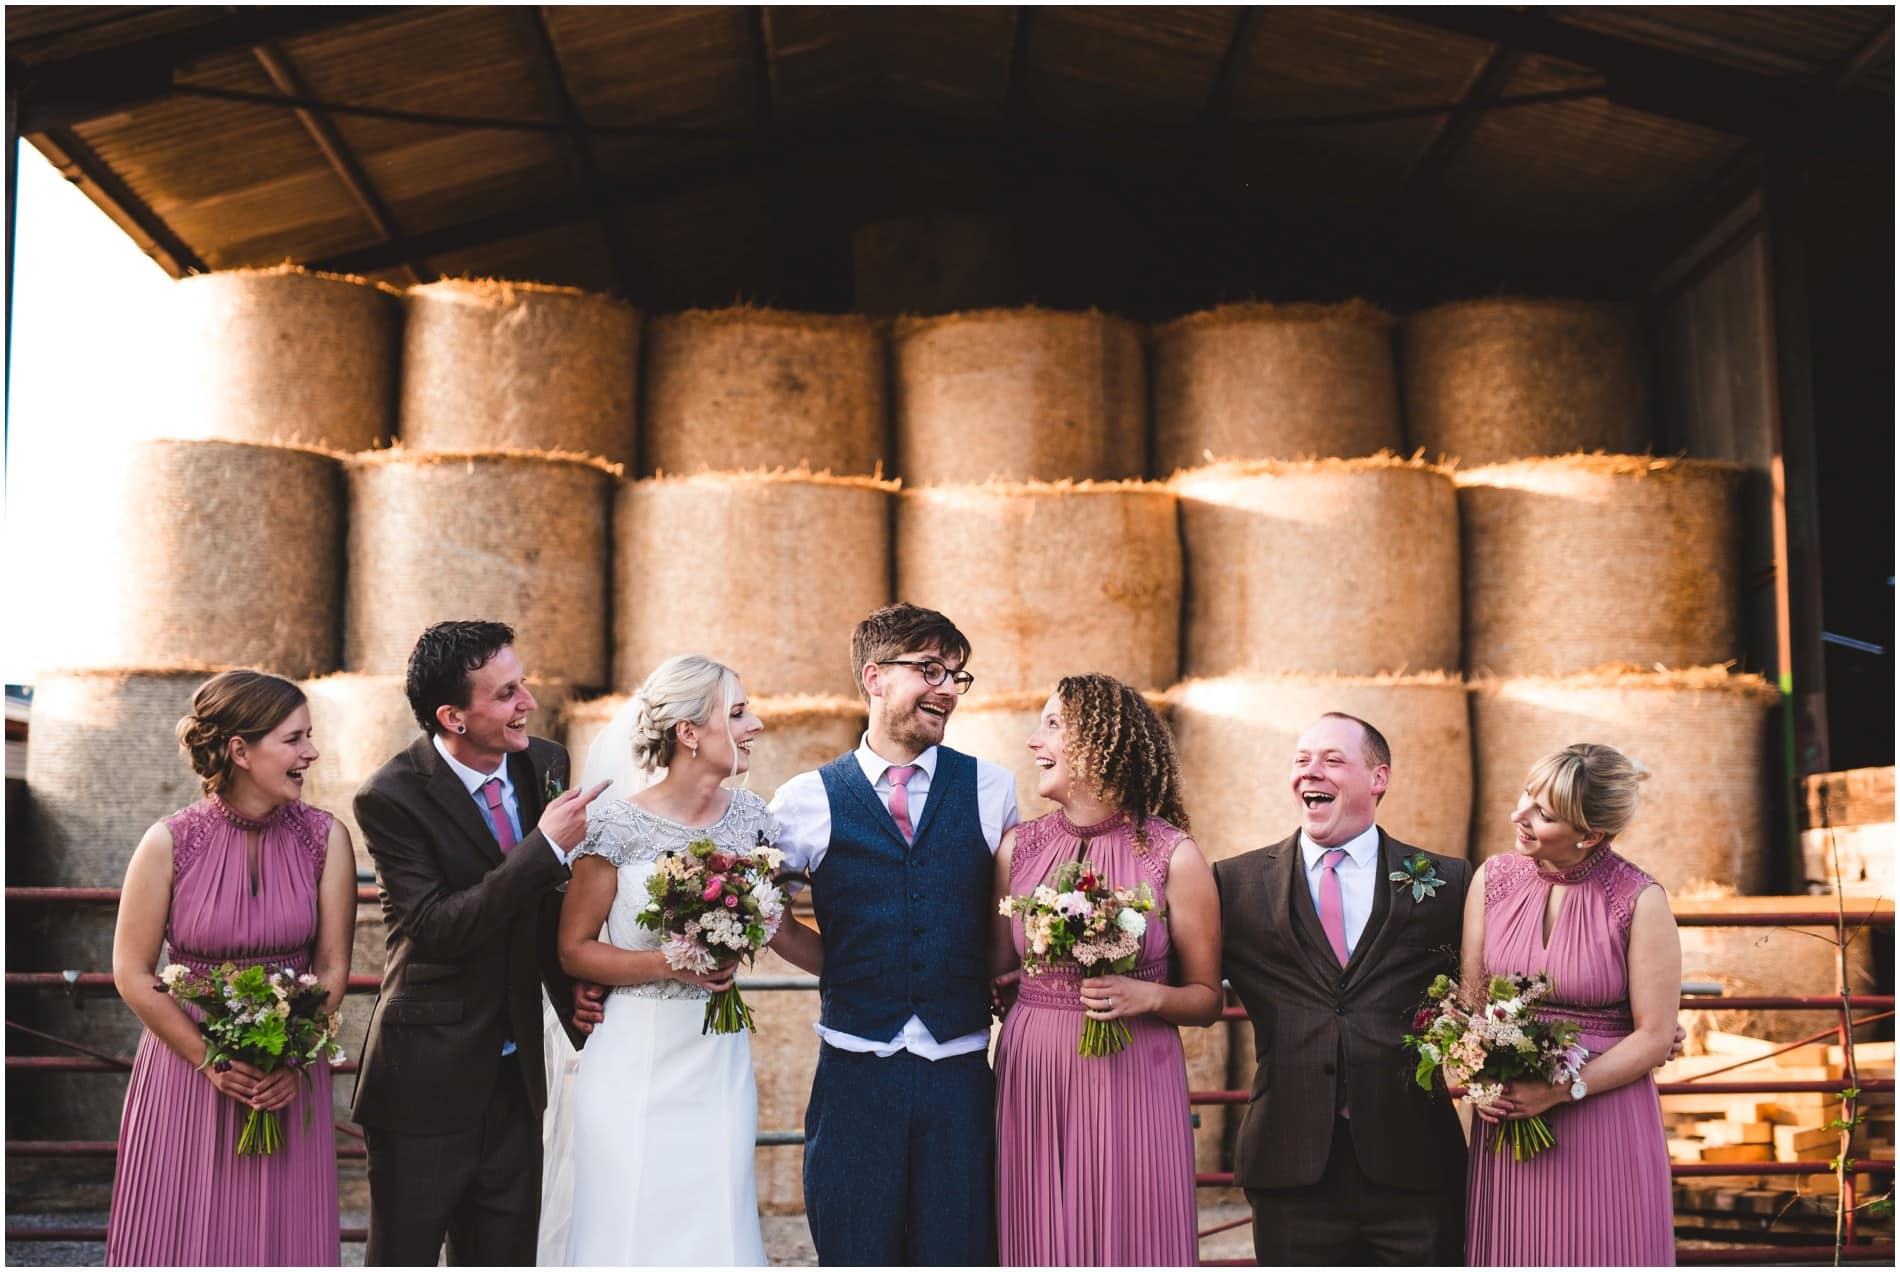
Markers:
(905, 925)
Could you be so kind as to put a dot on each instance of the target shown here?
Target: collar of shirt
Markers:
(874, 765)
(1362, 849)
(470, 779)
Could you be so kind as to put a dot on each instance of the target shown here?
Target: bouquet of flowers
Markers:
(1499, 1041)
(715, 907)
(266, 1017)
(1078, 919)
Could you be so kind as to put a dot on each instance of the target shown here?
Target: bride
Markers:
(663, 1117)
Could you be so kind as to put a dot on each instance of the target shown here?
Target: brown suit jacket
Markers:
(1318, 1026)
(470, 941)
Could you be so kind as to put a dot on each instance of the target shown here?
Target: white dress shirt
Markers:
(804, 818)
(474, 782)
(1358, 876)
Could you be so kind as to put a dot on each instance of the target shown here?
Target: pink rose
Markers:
(712, 890)
(722, 862)
(731, 901)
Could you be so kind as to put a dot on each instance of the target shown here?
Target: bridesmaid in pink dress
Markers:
(1095, 1156)
(248, 875)
(1565, 903)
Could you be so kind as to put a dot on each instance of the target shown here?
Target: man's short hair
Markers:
(443, 660)
(1378, 751)
(899, 629)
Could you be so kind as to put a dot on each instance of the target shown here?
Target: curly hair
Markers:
(240, 703)
(1116, 744)
(444, 658)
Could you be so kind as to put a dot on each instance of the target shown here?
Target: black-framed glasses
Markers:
(933, 672)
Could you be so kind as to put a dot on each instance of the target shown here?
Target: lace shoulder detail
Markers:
(1622, 882)
(310, 829)
(750, 820)
(1161, 838)
(191, 831)
(1504, 874)
(1032, 845)
(621, 833)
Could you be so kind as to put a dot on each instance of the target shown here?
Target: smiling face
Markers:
(274, 765)
(1053, 778)
(1545, 837)
(730, 755)
(908, 713)
(495, 721)
(1336, 783)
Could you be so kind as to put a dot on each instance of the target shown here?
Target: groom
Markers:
(1344, 1159)
(898, 839)
(471, 846)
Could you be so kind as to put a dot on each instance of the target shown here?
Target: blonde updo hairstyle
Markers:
(240, 703)
(1589, 785)
(685, 689)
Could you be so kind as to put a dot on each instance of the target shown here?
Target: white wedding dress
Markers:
(661, 1118)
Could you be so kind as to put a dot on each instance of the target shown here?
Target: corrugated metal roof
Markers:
(807, 104)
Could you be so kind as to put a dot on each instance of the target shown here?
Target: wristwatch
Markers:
(1578, 1090)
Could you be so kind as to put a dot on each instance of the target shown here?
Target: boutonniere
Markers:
(551, 787)
(1419, 874)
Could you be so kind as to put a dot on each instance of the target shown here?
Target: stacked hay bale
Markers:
(765, 571)
(103, 766)
(1576, 561)
(1331, 567)
(205, 553)
(499, 366)
(1019, 395)
(997, 726)
(1488, 381)
(281, 356)
(736, 389)
(515, 536)
(1285, 382)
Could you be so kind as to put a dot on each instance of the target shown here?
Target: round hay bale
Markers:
(801, 734)
(1493, 380)
(743, 388)
(1575, 562)
(103, 765)
(1767, 962)
(1274, 382)
(784, 1058)
(996, 727)
(491, 365)
(1047, 579)
(204, 552)
(934, 264)
(1019, 395)
(1704, 735)
(517, 537)
(1207, 1052)
(1236, 736)
(358, 722)
(1346, 567)
(283, 356)
(766, 572)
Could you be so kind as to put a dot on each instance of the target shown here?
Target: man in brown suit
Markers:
(1343, 1158)
(471, 845)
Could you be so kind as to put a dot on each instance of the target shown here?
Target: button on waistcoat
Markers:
(905, 925)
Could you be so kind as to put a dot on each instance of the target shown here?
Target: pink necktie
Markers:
(1332, 910)
(900, 798)
(497, 815)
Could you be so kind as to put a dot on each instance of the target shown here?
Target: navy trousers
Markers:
(900, 1159)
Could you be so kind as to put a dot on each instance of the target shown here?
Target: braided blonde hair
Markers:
(685, 689)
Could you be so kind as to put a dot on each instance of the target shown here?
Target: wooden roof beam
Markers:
(762, 45)
(1844, 75)
(1485, 88)
(81, 164)
(1664, 83)
(1220, 97)
(337, 152)
(546, 62)
(71, 90)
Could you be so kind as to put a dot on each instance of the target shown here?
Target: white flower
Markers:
(1074, 905)
(1133, 922)
(1044, 895)
(282, 1009)
(307, 980)
(770, 900)
(174, 974)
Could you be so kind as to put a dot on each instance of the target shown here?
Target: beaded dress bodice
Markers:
(635, 840)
